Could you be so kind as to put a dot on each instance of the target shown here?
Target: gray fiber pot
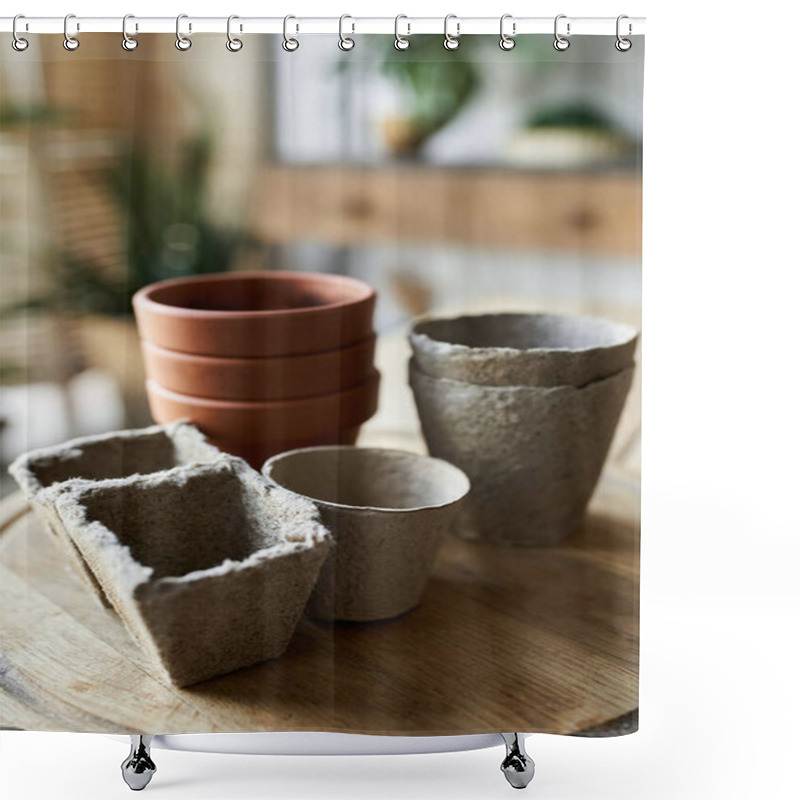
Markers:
(533, 454)
(208, 566)
(523, 349)
(46, 473)
(388, 511)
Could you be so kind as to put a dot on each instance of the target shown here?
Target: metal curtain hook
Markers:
(70, 42)
(401, 43)
(507, 42)
(289, 44)
(17, 42)
(451, 42)
(560, 43)
(622, 44)
(128, 42)
(345, 42)
(182, 42)
(233, 44)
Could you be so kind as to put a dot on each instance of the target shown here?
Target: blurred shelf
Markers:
(597, 212)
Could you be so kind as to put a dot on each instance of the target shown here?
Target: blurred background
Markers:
(464, 181)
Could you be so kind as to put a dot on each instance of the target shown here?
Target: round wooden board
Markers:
(537, 640)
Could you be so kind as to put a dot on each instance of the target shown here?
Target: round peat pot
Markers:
(533, 454)
(273, 425)
(388, 511)
(255, 314)
(278, 378)
(522, 349)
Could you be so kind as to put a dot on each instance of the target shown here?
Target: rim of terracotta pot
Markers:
(266, 405)
(269, 420)
(246, 361)
(385, 452)
(432, 330)
(260, 379)
(147, 298)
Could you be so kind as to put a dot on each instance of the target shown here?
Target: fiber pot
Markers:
(388, 511)
(523, 349)
(208, 567)
(273, 425)
(45, 473)
(532, 454)
(255, 314)
(277, 378)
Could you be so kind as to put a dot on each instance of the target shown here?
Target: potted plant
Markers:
(437, 86)
(569, 136)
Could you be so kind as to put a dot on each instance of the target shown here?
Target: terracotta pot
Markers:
(277, 378)
(255, 314)
(388, 511)
(256, 453)
(523, 349)
(533, 454)
(273, 424)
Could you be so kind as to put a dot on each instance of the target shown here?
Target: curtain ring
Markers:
(17, 42)
(560, 43)
(622, 44)
(507, 42)
(401, 43)
(289, 44)
(70, 42)
(451, 42)
(182, 42)
(233, 44)
(345, 42)
(128, 42)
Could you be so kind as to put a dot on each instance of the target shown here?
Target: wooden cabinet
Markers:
(594, 212)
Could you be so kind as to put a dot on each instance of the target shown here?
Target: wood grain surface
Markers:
(504, 639)
(578, 212)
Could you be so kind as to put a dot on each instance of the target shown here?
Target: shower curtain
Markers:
(472, 215)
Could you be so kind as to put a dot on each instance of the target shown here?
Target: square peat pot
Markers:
(45, 473)
(208, 566)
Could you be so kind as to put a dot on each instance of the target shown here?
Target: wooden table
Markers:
(504, 639)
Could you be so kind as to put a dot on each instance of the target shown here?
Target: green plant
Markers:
(13, 115)
(440, 83)
(573, 115)
(171, 232)
(10, 370)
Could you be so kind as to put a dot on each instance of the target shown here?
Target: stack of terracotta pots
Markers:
(261, 362)
(526, 405)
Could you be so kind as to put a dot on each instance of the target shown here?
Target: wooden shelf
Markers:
(589, 212)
